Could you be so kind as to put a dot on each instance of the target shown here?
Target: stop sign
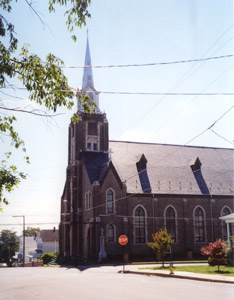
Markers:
(123, 240)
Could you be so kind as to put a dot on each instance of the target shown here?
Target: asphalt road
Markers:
(102, 283)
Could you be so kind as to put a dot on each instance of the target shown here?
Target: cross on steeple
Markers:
(110, 151)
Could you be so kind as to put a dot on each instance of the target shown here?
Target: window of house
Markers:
(110, 201)
(199, 225)
(110, 233)
(139, 225)
(171, 222)
(92, 128)
(226, 211)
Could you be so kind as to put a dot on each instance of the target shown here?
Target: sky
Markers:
(123, 32)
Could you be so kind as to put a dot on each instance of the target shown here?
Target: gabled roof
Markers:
(169, 167)
(48, 235)
(95, 163)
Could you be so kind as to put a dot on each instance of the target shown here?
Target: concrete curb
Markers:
(177, 276)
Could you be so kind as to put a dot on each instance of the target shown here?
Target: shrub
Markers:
(216, 252)
(49, 257)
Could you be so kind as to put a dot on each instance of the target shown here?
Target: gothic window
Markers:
(110, 233)
(139, 225)
(199, 225)
(171, 222)
(95, 146)
(226, 211)
(110, 201)
(89, 199)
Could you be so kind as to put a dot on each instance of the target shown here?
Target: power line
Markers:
(222, 137)
(168, 94)
(33, 112)
(185, 76)
(149, 64)
(191, 100)
(187, 142)
(210, 125)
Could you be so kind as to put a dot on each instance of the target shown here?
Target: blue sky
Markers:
(124, 32)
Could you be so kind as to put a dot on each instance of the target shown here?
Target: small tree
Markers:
(216, 252)
(31, 231)
(9, 244)
(161, 243)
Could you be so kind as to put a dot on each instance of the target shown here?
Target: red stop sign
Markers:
(123, 240)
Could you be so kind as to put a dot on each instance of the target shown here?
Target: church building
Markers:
(116, 188)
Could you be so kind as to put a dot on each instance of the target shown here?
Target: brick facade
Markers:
(84, 204)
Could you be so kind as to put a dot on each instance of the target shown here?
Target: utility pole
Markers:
(23, 236)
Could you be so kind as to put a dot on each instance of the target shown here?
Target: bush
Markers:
(49, 258)
(231, 257)
(216, 252)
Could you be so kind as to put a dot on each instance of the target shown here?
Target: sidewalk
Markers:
(181, 275)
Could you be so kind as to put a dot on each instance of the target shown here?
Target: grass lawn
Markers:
(226, 271)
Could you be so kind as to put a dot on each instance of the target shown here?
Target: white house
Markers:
(30, 249)
(47, 240)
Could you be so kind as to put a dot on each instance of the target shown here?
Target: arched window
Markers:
(171, 222)
(110, 201)
(199, 225)
(226, 211)
(139, 225)
(110, 233)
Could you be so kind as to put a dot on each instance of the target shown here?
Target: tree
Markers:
(44, 80)
(9, 244)
(31, 231)
(216, 252)
(162, 242)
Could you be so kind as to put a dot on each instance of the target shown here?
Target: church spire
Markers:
(88, 83)
(88, 73)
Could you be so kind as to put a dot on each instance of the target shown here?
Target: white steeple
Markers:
(88, 84)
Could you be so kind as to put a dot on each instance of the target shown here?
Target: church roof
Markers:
(171, 169)
(95, 163)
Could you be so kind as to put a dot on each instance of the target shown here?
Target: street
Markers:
(102, 283)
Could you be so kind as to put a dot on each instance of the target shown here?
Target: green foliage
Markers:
(162, 242)
(76, 14)
(31, 231)
(49, 257)
(9, 244)
(9, 175)
(44, 80)
(216, 252)
(230, 253)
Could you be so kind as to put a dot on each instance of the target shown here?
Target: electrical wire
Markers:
(149, 64)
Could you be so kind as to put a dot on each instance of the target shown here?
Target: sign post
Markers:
(123, 240)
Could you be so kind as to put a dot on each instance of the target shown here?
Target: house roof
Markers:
(228, 218)
(48, 235)
(169, 168)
